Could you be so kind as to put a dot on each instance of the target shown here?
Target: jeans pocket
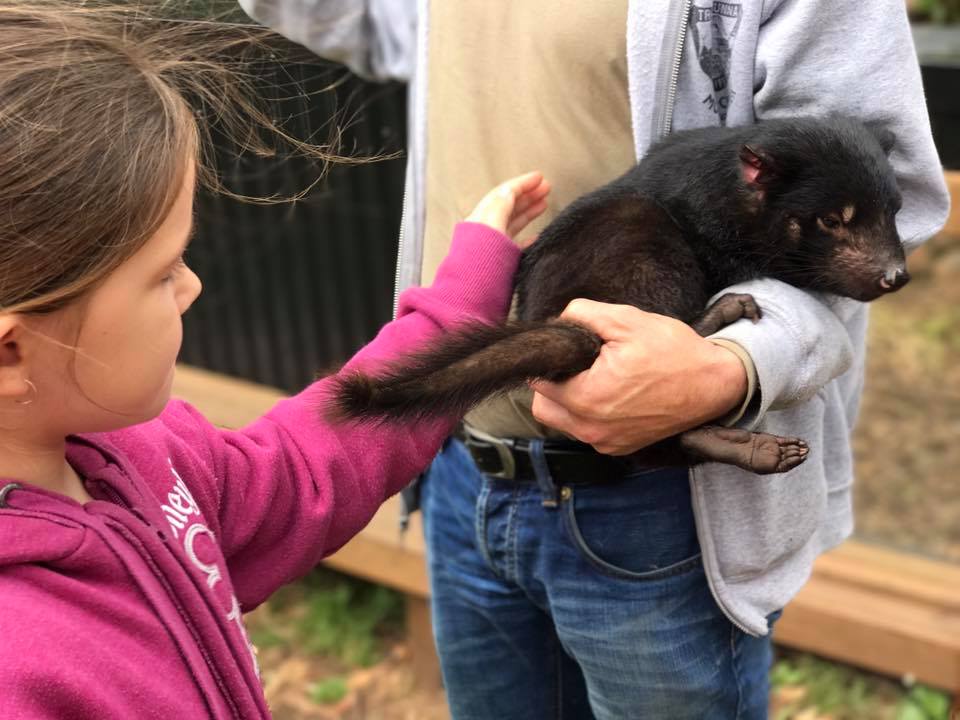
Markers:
(639, 529)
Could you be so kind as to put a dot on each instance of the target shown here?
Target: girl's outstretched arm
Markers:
(291, 488)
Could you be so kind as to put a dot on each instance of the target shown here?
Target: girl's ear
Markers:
(13, 369)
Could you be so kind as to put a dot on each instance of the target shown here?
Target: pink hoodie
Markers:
(130, 606)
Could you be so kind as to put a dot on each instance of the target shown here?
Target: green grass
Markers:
(844, 693)
(333, 615)
(940, 11)
(343, 621)
(328, 690)
(922, 703)
(266, 638)
(941, 328)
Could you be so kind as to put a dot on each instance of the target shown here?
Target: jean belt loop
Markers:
(551, 495)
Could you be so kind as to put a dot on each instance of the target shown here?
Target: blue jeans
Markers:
(594, 607)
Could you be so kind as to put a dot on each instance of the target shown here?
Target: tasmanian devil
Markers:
(809, 201)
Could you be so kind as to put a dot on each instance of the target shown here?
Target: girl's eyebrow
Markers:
(191, 233)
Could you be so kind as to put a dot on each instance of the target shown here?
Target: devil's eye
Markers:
(830, 221)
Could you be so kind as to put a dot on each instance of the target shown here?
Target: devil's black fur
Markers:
(808, 201)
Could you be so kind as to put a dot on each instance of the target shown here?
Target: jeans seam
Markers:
(512, 559)
(480, 524)
(557, 677)
(735, 635)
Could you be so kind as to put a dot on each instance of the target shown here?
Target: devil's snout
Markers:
(894, 279)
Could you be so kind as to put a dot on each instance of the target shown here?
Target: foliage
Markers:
(829, 688)
(328, 690)
(334, 615)
(265, 637)
(938, 11)
(923, 703)
(343, 621)
(844, 693)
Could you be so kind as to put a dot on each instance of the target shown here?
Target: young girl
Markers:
(133, 534)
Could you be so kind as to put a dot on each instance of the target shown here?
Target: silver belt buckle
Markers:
(509, 471)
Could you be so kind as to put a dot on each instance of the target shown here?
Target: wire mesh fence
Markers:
(292, 289)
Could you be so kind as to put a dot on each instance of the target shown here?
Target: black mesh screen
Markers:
(293, 289)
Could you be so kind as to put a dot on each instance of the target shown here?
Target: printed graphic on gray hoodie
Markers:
(714, 30)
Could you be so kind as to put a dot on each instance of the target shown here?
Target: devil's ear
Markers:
(883, 135)
(757, 165)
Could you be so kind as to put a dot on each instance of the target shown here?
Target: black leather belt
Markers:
(570, 462)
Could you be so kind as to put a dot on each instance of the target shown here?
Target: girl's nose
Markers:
(191, 290)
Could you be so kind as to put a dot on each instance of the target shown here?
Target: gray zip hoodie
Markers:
(694, 64)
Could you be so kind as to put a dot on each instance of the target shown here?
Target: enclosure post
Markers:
(423, 652)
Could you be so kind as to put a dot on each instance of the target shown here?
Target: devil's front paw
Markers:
(727, 310)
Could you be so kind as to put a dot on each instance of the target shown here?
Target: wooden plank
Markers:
(953, 221)
(381, 555)
(225, 401)
(423, 651)
(890, 635)
(893, 573)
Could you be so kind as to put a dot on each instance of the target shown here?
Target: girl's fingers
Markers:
(519, 222)
(524, 183)
(529, 185)
(510, 206)
(525, 242)
(532, 197)
(527, 208)
(524, 205)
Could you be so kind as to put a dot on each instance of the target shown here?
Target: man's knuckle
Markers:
(591, 435)
(576, 306)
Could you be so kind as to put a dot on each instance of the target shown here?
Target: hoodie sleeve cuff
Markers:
(798, 346)
(737, 414)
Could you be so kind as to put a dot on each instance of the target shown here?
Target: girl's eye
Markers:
(177, 267)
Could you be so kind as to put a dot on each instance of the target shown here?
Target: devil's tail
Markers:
(463, 367)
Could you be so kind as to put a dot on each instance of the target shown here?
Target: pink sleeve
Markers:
(290, 488)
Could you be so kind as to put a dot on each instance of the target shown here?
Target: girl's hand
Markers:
(512, 205)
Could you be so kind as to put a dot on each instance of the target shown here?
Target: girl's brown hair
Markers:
(97, 127)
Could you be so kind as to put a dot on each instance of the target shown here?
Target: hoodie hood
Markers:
(30, 534)
(40, 526)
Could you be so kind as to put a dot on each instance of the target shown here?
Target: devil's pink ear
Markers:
(883, 135)
(758, 166)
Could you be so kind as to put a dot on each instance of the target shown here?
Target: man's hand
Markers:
(654, 377)
(512, 205)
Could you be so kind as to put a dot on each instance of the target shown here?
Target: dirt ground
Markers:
(907, 441)
(907, 445)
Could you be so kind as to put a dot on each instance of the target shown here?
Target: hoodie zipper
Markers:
(666, 119)
(116, 498)
(665, 127)
(400, 243)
